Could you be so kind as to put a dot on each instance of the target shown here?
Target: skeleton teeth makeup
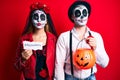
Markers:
(39, 19)
(80, 14)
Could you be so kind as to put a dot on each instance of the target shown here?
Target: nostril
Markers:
(81, 17)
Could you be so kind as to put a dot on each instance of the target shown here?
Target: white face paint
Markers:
(80, 14)
(39, 19)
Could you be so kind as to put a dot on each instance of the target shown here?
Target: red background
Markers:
(104, 19)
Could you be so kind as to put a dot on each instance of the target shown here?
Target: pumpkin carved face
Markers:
(84, 58)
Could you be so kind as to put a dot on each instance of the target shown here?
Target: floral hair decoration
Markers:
(38, 5)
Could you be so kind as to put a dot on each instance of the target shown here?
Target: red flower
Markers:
(38, 5)
(43, 73)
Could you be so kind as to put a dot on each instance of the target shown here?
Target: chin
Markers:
(81, 25)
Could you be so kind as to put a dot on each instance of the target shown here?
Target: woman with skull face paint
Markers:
(37, 64)
(68, 42)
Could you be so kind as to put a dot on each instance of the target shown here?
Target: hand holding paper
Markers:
(26, 54)
(29, 46)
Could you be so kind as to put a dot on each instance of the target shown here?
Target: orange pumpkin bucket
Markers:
(84, 58)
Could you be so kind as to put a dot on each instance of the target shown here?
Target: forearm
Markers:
(59, 72)
(102, 58)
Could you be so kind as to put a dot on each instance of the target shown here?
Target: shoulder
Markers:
(96, 35)
(65, 34)
(64, 37)
(50, 35)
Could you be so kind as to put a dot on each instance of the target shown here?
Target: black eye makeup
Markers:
(84, 12)
(42, 17)
(77, 13)
(35, 16)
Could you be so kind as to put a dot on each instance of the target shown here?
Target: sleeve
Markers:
(20, 63)
(102, 58)
(60, 58)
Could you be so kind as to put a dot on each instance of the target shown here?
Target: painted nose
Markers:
(82, 17)
(38, 20)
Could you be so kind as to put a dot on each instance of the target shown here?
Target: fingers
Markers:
(26, 54)
(92, 42)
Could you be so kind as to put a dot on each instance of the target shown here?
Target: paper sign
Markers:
(32, 45)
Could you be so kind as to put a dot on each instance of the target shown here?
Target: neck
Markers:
(81, 29)
(39, 31)
(40, 36)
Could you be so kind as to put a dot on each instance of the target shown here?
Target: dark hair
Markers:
(75, 4)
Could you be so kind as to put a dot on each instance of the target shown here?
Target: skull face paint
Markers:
(80, 14)
(39, 19)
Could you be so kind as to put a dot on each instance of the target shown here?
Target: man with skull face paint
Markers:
(37, 64)
(78, 13)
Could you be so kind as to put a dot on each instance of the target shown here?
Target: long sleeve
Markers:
(19, 63)
(101, 56)
(60, 58)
